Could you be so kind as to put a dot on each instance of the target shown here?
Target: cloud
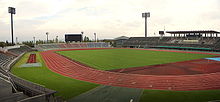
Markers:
(108, 18)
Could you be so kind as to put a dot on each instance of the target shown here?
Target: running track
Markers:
(69, 68)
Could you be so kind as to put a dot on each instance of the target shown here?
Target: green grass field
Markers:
(108, 59)
(66, 87)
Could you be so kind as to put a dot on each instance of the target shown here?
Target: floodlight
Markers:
(11, 10)
(146, 15)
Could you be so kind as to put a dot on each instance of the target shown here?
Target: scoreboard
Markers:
(73, 37)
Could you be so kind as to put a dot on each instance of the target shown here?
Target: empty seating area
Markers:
(19, 50)
(217, 45)
(209, 40)
(5, 59)
(10, 53)
(73, 45)
(203, 42)
(144, 42)
(6, 56)
(8, 80)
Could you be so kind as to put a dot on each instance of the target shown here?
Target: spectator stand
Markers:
(32, 91)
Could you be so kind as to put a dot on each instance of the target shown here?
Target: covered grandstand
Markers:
(182, 40)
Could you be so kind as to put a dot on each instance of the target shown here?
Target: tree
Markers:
(86, 39)
(2, 44)
(28, 43)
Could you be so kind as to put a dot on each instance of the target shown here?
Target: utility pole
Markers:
(146, 15)
(11, 10)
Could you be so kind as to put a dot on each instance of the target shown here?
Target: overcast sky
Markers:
(107, 18)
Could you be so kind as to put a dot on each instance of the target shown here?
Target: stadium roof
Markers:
(122, 38)
(187, 32)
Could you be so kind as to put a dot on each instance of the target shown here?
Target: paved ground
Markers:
(109, 94)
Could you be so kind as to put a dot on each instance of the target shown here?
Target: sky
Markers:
(107, 18)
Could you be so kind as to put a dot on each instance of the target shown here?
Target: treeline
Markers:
(31, 43)
(3, 44)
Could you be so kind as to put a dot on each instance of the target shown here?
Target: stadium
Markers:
(137, 69)
(121, 63)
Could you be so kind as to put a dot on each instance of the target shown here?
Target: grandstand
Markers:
(187, 40)
(14, 88)
(28, 91)
(19, 50)
(43, 47)
(18, 89)
(5, 59)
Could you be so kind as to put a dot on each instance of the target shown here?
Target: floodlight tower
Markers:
(34, 41)
(82, 35)
(95, 37)
(16, 40)
(47, 36)
(11, 10)
(146, 15)
(57, 39)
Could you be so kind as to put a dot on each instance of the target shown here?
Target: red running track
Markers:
(69, 68)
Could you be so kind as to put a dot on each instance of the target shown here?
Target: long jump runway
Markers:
(69, 68)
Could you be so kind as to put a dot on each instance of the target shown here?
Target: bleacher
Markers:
(19, 50)
(217, 45)
(145, 41)
(10, 53)
(205, 43)
(73, 45)
(13, 88)
(5, 59)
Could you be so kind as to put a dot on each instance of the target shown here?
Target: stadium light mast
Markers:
(146, 15)
(11, 10)
(47, 36)
(16, 40)
(82, 35)
(34, 40)
(57, 39)
(95, 37)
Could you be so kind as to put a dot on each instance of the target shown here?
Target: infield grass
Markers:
(108, 59)
(66, 87)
